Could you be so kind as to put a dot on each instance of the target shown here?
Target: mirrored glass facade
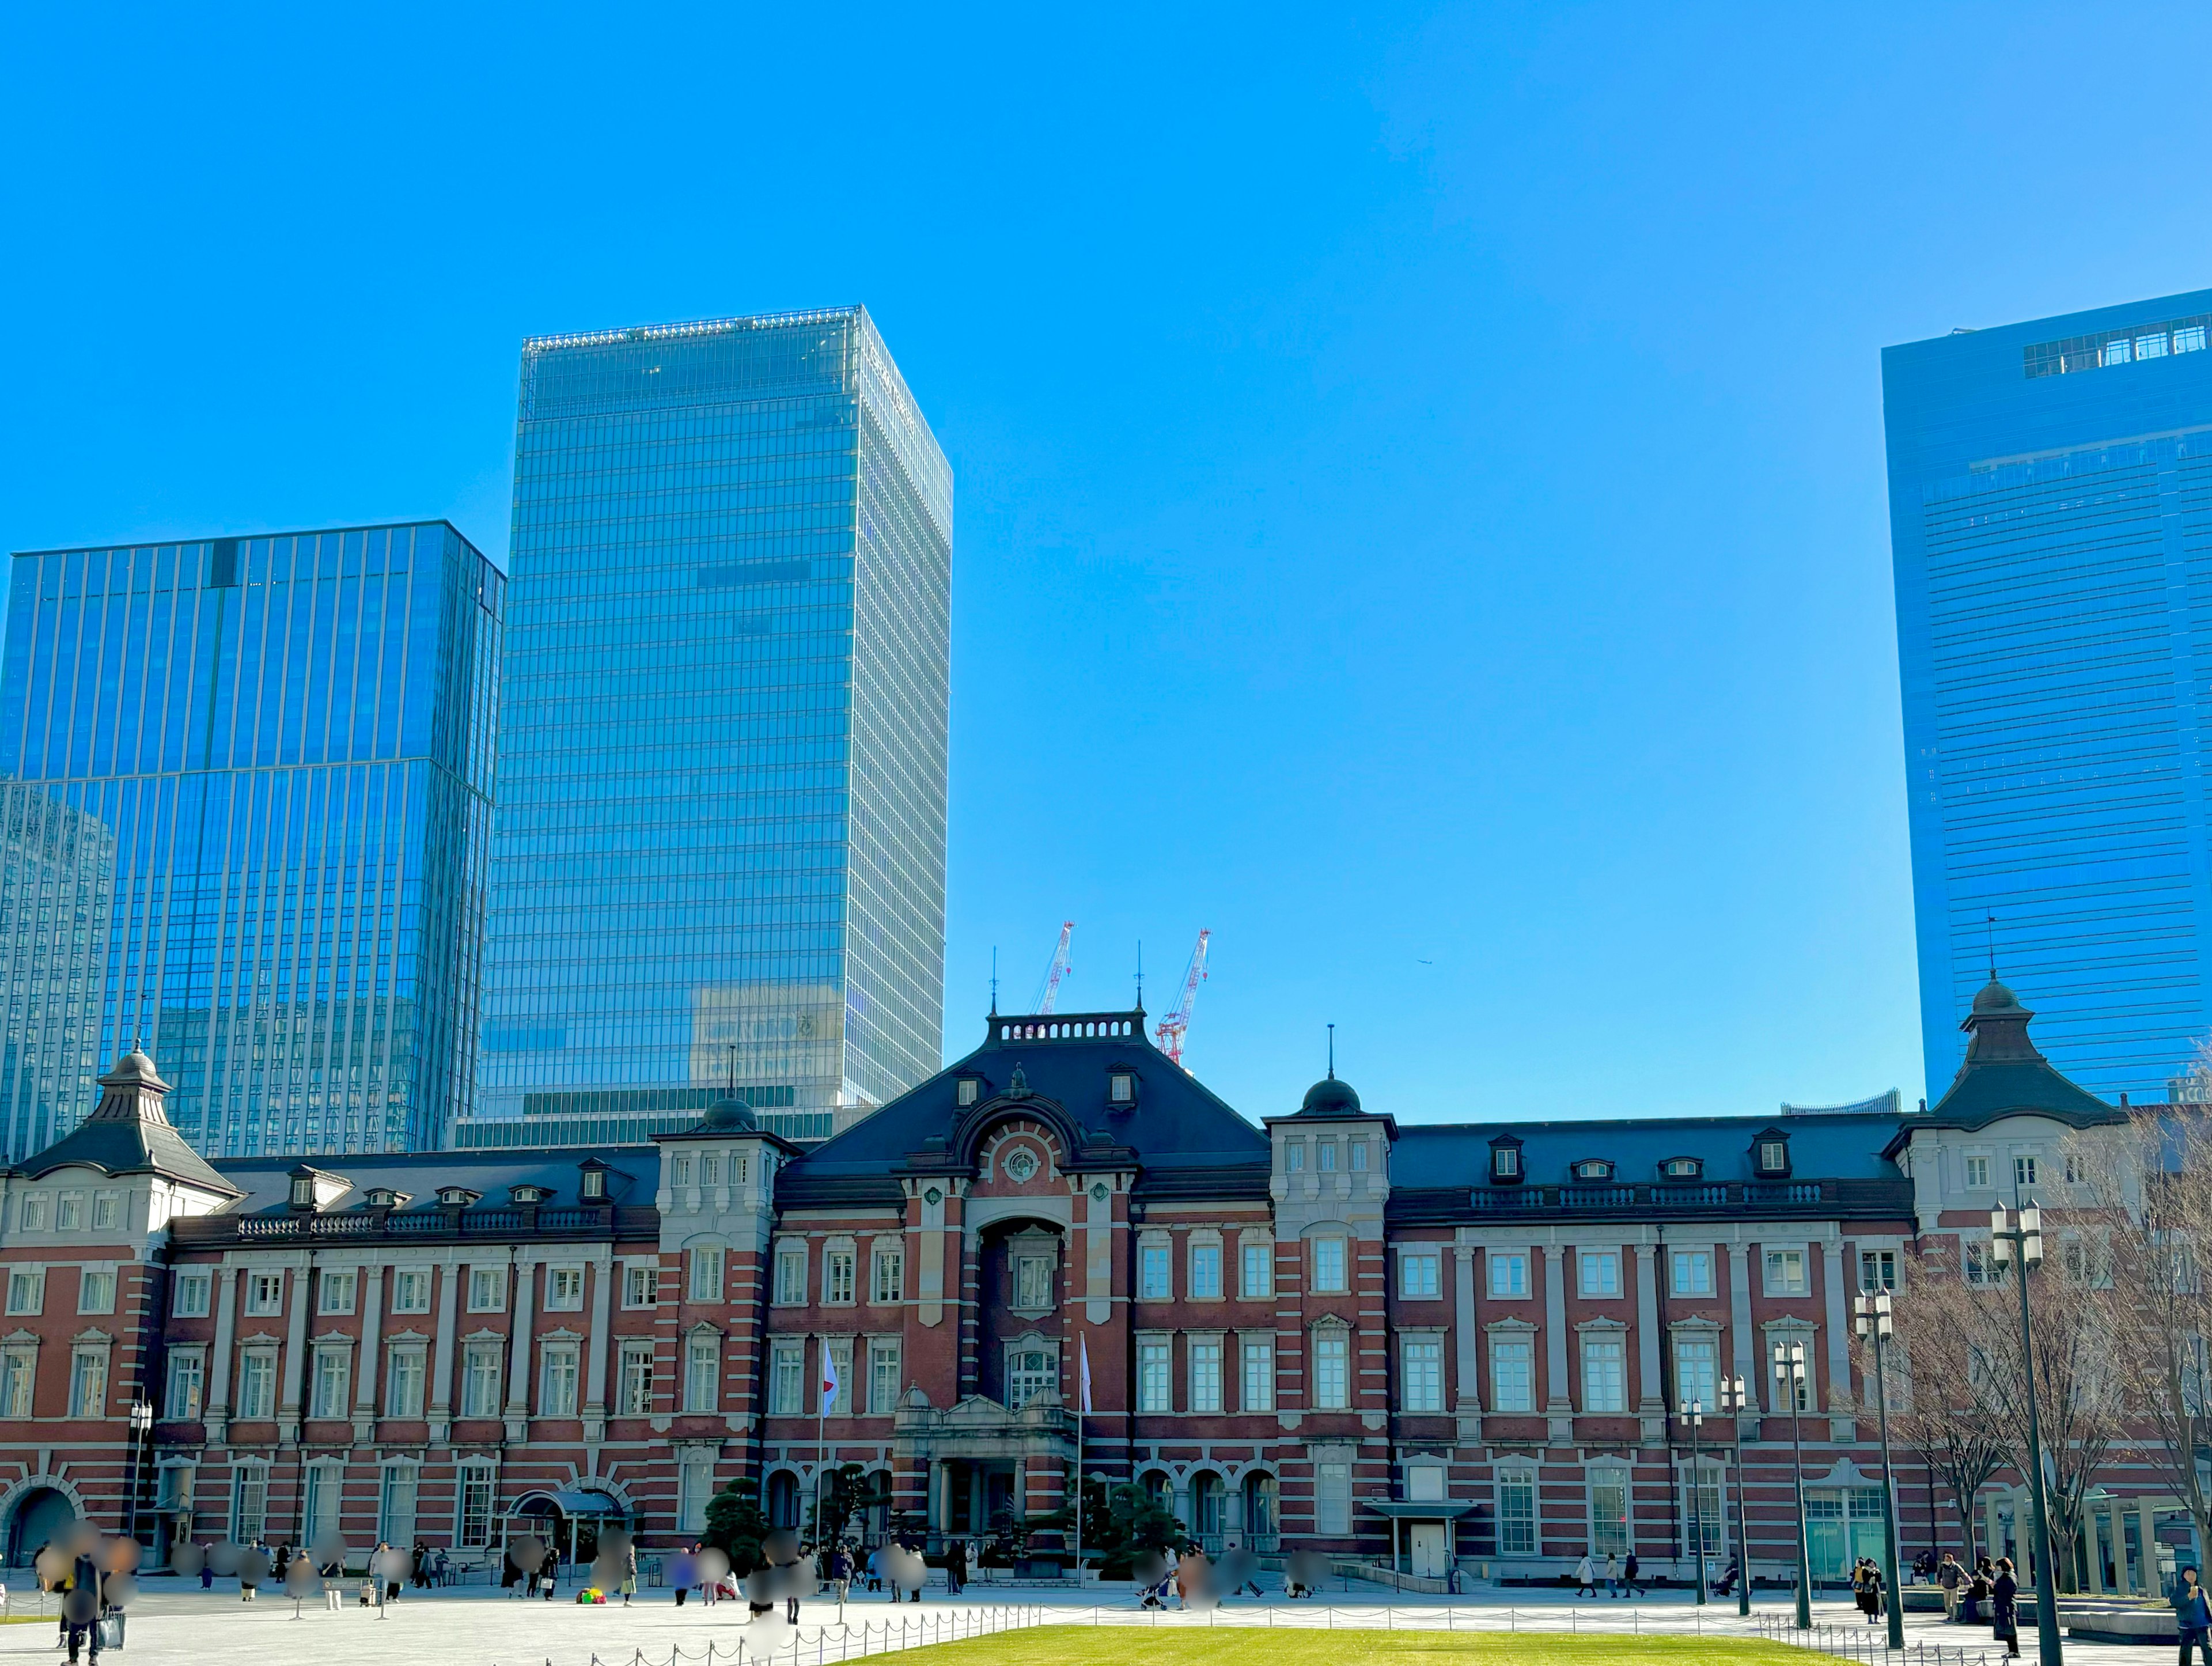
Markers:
(2050, 522)
(719, 857)
(56, 891)
(284, 743)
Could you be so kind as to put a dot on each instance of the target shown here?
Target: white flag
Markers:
(1083, 1357)
(828, 1381)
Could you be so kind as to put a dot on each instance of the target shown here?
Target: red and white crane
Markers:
(1168, 1034)
(1060, 968)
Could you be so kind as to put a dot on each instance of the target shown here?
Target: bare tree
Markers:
(1932, 1409)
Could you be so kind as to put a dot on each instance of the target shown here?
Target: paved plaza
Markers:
(476, 1627)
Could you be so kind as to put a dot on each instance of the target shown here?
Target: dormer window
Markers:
(457, 1197)
(1594, 1168)
(1121, 1088)
(303, 1191)
(527, 1193)
(1771, 1154)
(1505, 1161)
(595, 1187)
(970, 1090)
(383, 1197)
(1682, 1168)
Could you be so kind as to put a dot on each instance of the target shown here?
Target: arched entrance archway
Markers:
(39, 1515)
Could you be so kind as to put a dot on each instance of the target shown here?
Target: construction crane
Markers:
(1168, 1034)
(1049, 994)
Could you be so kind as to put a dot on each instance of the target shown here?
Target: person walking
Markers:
(956, 1567)
(1612, 1574)
(2193, 1617)
(549, 1574)
(629, 1574)
(1868, 1584)
(1949, 1577)
(1585, 1577)
(2004, 1597)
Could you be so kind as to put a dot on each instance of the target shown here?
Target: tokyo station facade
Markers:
(1426, 1345)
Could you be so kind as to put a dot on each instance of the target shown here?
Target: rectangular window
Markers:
(641, 1285)
(791, 1275)
(475, 1508)
(1693, 1272)
(19, 1368)
(1610, 1514)
(890, 1280)
(336, 1289)
(1785, 1273)
(106, 1210)
(1419, 1275)
(396, 1517)
(1325, 1156)
(1155, 1387)
(1259, 1270)
(487, 1289)
(705, 1274)
(1358, 1150)
(1332, 1500)
(679, 1169)
(257, 1383)
(564, 1289)
(1804, 1390)
(325, 1484)
(1294, 1155)
(88, 1383)
(556, 1382)
(264, 1293)
(1423, 1360)
(1204, 1377)
(2023, 1171)
(837, 1277)
(333, 1379)
(1153, 1274)
(191, 1295)
(1509, 1272)
(249, 1503)
(480, 1380)
(187, 1383)
(96, 1290)
(1205, 1272)
(1516, 1513)
(1980, 1270)
(31, 1215)
(410, 1290)
(1328, 1266)
(786, 1385)
(634, 1389)
(1600, 1270)
(69, 1214)
(1697, 1373)
(176, 1486)
(1332, 1351)
(1030, 1372)
(1259, 1353)
(710, 1168)
(2189, 338)
(1513, 1374)
(1033, 1283)
(1604, 1381)
(694, 1484)
(883, 1378)
(703, 1374)
(1977, 1173)
(1877, 1270)
(405, 1372)
(1425, 1484)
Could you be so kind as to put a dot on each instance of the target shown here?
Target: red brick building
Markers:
(1430, 1343)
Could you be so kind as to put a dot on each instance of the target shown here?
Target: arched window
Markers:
(1209, 1510)
(1263, 1512)
(783, 1499)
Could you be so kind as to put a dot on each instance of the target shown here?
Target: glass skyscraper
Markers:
(2050, 523)
(719, 854)
(268, 757)
(57, 888)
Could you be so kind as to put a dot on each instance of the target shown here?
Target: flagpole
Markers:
(822, 1438)
(1082, 1405)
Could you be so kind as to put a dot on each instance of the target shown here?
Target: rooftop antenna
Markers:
(1332, 1052)
(1140, 975)
(1992, 929)
(994, 981)
(732, 1050)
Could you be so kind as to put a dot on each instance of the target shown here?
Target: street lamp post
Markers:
(1694, 1414)
(2027, 1236)
(141, 1424)
(1874, 1323)
(1734, 1402)
(1790, 1378)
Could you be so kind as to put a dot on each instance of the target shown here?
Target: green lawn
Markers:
(1117, 1645)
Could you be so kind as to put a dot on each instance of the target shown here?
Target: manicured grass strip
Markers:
(1240, 1645)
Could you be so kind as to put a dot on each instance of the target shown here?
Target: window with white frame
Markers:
(1702, 1521)
(1424, 1483)
(88, 1381)
(679, 1169)
(31, 1212)
(395, 1519)
(1325, 1156)
(1693, 1272)
(480, 1381)
(189, 1300)
(187, 1386)
(333, 1380)
(249, 1502)
(1512, 1373)
(106, 1210)
(69, 1213)
(1205, 1360)
(1329, 1279)
(335, 1290)
(564, 1289)
(556, 1379)
(1877, 1269)
(405, 1373)
(265, 1294)
(1516, 1512)
(410, 1290)
(1030, 1370)
(257, 1383)
(1977, 1171)
(1980, 1268)
(888, 1281)
(326, 1491)
(704, 1279)
(1421, 1367)
(1332, 1499)
(694, 1484)
(634, 1385)
(1420, 1274)
(787, 1382)
(1605, 1376)
(1205, 1272)
(96, 1290)
(883, 1376)
(641, 1284)
(1259, 1279)
(1258, 1355)
(1357, 1150)
(710, 1168)
(703, 1374)
(1785, 1273)
(26, 1290)
(1155, 1275)
(1600, 1271)
(1332, 1376)
(1696, 1370)
(791, 1275)
(837, 1276)
(1155, 1377)
(19, 1372)
(2023, 1171)
(487, 1289)
(476, 1511)
(1509, 1271)
(1608, 1506)
(1033, 1280)
(1804, 1390)
(845, 1398)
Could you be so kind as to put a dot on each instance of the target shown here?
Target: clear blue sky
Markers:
(1419, 491)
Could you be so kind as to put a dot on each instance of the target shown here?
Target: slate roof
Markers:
(128, 1132)
(2005, 1074)
(633, 1177)
(1845, 1146)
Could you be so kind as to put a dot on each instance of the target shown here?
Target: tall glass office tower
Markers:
(56, 890)
(2051, 523)
(719, 858)
(268, 756)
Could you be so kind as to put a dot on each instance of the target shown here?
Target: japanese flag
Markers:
(828, 1381)
(1082, 1359)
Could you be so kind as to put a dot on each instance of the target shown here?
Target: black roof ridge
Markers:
(1781, 1120)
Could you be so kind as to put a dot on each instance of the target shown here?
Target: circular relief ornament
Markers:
(1020, 1166)
(1098, 1191)
(933, 1197)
